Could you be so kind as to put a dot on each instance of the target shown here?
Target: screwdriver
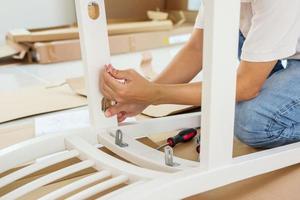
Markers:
(183, 136)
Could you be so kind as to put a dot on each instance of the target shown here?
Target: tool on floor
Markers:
(183, 136)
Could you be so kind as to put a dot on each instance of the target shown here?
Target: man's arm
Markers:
(251, 77)
(187, 63)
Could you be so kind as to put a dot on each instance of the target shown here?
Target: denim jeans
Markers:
(272, 119)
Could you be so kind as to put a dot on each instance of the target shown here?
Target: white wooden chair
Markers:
(146, 175)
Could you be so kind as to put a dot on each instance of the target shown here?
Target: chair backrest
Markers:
(96, 54)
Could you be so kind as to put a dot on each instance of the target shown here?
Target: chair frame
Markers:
(216, 168)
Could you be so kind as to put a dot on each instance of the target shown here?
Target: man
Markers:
(268, 95)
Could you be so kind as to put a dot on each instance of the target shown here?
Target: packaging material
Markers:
(69, 33)
(145, 41)
(129, 28)
(58, 51)
(131, 10)
(168, 110)
(10, 135)
(42, 35)
(67, 50)
(125, 10)
(177, 4)
(138, 27)
(37, 100)
(7, 51)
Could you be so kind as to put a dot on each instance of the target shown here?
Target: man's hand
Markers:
(127, 87)
(125, 110)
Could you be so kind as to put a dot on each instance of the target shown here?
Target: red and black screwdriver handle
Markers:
(183, 136)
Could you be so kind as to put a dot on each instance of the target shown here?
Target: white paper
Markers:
(61, 122)
(65, 121)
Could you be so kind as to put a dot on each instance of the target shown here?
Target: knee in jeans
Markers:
(249, 124)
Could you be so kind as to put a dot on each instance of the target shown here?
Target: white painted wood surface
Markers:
(197, 181)
(120, 191)
(77, 185)
(96, 54)
(101, 187)
(19, 192)
(217, 167)
(10, 178)
(143, 155)
(166, 124)
(219, 81)
(39, 147)
(103, 161)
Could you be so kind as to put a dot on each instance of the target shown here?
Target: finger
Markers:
(109, 93)
(112, 82)
(116, 109)
(109, 68)
(122, 117)
(122, 74)
(101, 79)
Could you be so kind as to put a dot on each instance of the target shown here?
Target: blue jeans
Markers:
(272, 119)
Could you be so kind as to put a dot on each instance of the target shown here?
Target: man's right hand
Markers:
(124, 111)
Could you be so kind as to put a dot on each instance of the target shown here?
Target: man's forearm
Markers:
(187, 64)
(184, 94)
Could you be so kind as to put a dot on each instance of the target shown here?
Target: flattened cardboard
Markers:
(37, 100)
(6, 51)
(14, 134)
(167, 110)
(77, 85)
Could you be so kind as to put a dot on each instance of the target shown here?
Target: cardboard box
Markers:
(67, 50)
(126, 10)
(71, 32)
(58, 44)
(60, 51)
(131, 10)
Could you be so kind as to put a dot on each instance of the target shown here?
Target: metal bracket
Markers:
(119, 139)
(169, 161)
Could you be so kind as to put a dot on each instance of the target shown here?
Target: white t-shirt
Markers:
(271, 28)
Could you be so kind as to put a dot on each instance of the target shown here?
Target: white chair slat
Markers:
(77, 185)
(21, 191)
(100, 188)
(10, 178)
